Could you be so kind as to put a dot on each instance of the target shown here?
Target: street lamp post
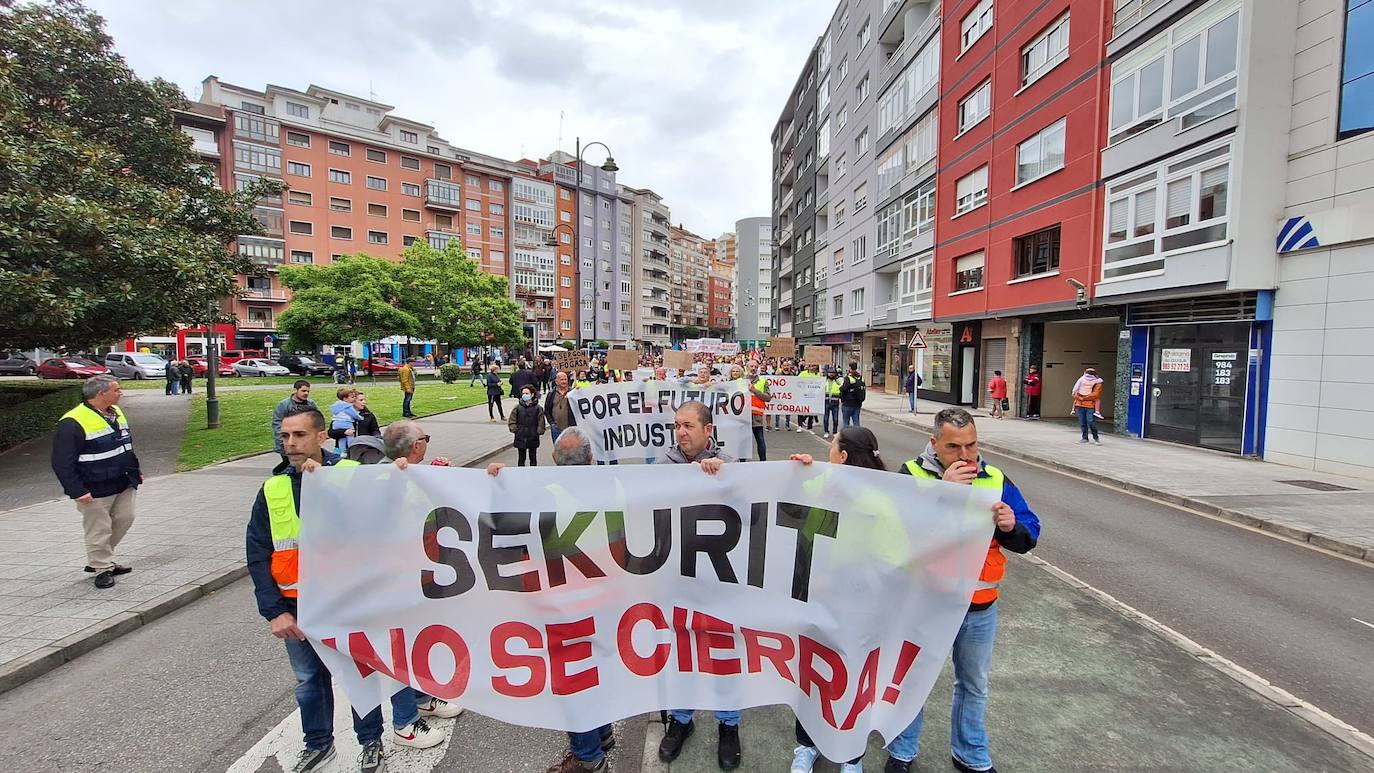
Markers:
(608, 166)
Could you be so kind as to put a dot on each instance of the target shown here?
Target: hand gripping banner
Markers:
(569, 597)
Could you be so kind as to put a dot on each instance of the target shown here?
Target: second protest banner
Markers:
(635, 420)
(796, 395)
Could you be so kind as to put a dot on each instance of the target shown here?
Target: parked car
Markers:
(70, 367)
(16, 364)
(380, 365)
(135, 365)
(257, 367)
(199, 366)
(232, 356)
(304, 365)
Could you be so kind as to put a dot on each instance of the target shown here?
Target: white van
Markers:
(136, 365)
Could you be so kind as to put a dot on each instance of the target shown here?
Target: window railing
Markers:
(1128, 12)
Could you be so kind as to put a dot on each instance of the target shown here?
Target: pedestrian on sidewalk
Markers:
(494, 393)
(300, 396)
(852, 394)
(93, 458)
(188, 374)
(997, 391)
(172, 373)
(557, 409)
(407, 378)
(273, 530)
(527, 423)
(758, 404)
(587, 750)
(952, 455)
(912, 383)
(1031, 386)
(476, 371)
(1087, 397)
(830, 423)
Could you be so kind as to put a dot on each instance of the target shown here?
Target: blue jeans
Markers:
(405, 403)
(851, 414)
(777, 421)
(1087, 422)
(760, 447)
(314, 694)
(404, 710)
(911, 398)
(587, 746)
(554, 431)
(831, 421)
(968, 738)
(683, 716)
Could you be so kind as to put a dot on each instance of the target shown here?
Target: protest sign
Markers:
(635, 420)
(796, 395)
(571, 361)
(729, 348)
(566, 598)
(643, 374)
(622, 359)
(677, 359)
(782, 347)
(708, 345)
(818, 355)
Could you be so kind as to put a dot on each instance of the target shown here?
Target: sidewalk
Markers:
(187, 541)
(1255, 493)
(1075, 687)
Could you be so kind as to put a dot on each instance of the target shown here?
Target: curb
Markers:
(1295, 534)
(28, 667)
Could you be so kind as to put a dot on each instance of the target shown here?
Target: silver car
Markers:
(16, 364)
(255, 367)
(135, 365)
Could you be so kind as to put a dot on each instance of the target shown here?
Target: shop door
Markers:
(1197, 379)
(967, 385)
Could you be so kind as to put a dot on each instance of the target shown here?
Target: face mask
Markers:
(525, 398)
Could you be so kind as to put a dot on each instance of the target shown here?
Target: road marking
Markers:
(1361, 622)
(1333, 726)
(283, 742)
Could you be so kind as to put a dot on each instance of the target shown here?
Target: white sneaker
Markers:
(438, 707)
(852, 767)
(1097, 442)
(418, 735)
(804, 758)
(799, 429)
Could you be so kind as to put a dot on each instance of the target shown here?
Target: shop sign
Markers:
(1176, 360)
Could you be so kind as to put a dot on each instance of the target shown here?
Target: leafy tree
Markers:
(109, 225)
(355, 298)
(453, 301)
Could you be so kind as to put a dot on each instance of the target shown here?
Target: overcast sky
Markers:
(684, 92)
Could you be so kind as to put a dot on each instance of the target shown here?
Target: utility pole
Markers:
(211, 371)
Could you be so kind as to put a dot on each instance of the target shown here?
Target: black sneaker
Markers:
(962, 768)
(311, 760)
(372, 760)
(116, 569)
(727, 749)
(895, 765)
(105, 580)
(673, 739)
(608, 739)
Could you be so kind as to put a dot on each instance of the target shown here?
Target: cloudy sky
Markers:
(684, 92)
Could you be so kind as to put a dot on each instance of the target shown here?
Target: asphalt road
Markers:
(1288, 613)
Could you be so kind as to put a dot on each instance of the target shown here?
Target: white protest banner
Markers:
(709, 345)
(729, 348)
(635, 420)
(796, 395)
(566, 598)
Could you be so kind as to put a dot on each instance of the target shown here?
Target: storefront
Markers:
(948, 364)
(875, 360)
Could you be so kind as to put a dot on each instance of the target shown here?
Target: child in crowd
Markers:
(344, 416)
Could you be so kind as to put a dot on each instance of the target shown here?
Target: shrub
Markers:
(32, 408)
(450, 372)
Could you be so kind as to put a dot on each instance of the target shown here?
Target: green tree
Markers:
(453, 301)
(109, 225)
(355, 298)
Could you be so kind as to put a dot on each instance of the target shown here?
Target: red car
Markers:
(70, 367)
(381, 365)
(199, 366)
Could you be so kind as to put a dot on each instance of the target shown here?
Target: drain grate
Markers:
(1317, 485)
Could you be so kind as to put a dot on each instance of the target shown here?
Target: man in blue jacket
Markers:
(952, 455)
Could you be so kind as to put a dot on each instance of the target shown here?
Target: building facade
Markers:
(689, 312)
(752, 292)
(650, 266)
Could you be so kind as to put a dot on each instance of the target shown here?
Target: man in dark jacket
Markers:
(852, 394)
(93, 458)
(523, 377)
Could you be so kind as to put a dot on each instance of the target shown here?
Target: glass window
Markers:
(968, 272)
(302, 227)
(376, 237)
(376, 210)
(971, 191)
(298, 110)
(1357, 87)
(1037, 253)
(410, 189)
(376, 183)
(976, 106)
(1047, 50)
(410, 162)
(298, 169)
(413, 215)
(300, 198)
(1041, 153)
(298, 139)
(340, 148)
(340, 232)
(408, 136)
(974, 24)
(340, 176)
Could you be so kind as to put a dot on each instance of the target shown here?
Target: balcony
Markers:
(443, 194)
(439, 239)
(269, 295)
(258, 323)
(1128, 12)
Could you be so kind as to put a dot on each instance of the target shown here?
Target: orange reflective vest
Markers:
(285, 524)
(757, 405)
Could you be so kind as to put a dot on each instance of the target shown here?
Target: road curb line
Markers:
(1294, 534)
(1332, 726)
(30, 666)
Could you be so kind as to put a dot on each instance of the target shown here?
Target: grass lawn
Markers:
(246, 417)
(319, 382)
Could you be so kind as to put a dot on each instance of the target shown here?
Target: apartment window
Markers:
(975, 107)
(410, 189)
(565, 238)
(899, 103)
(565, 217)
(340, 148)
(865, 34)
(298, 139)
(376, 237)
(474, 229)
(861, 91)
(340, 232)
(302, 257)
(443, 222)
(407, 240)
(971, 191)
(297, 168)
(445, 172)
(497, 232)
(473, 205)
(1196, 59)
(340, 176)
(565, 194)
(410, 215)
(860, 250)
(838, 215)
(409, 136)
(302, 227)
(837, 306)
(566, 282)
(472, 180)
(376, 183)
(496, 186)
(842, 117)
(252, 108)
(496, 209)
(906, 283)
(839, 258)
(1357, 90)
(844, 69)
(918, 210)
(861, 196)
(410, 162)
(977, 22)
(889, 229)
(1047, 50)
(841, 165)
(376, 210)
(256, 158)
(1041, 153)
(340, 205)
(1037, 253)
(378, 156)
(968, 272)
(433, 149)
(856, 301)
(861, 142)
(565, 303)
(300, 198)
(298, 110)
(475, 253)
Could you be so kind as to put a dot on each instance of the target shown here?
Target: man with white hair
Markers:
(407, 443)
(93, 457)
